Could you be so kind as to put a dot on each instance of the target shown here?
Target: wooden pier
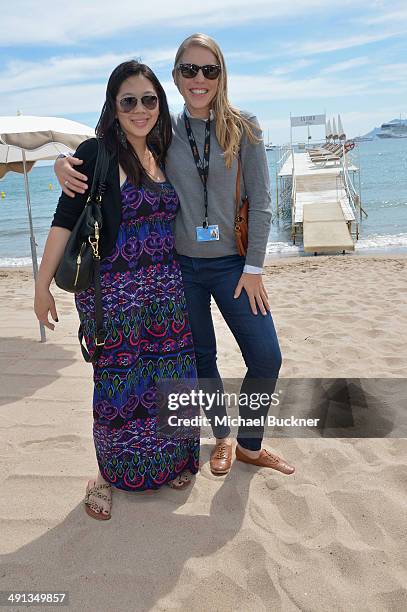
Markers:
(324, 203)
(317, 183)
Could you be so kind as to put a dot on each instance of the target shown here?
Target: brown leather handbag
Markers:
(241, 216)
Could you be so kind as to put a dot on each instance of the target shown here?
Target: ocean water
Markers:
(383, 182)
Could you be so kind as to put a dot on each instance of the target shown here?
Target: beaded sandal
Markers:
(181, 481)
(94, 509)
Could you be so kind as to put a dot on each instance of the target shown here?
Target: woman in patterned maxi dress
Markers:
(147, 332)
(148, 337)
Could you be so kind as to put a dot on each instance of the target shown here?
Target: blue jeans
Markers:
(255, 335)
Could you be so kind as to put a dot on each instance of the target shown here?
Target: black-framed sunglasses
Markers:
(189, 71)
(128, 103)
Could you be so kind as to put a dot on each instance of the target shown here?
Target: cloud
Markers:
(396, 73)
(346, 65)
(314, 47)
(246, 56)
(292, 67)
(389, 17)
(269, 88)
(75, 21)
(24, 75)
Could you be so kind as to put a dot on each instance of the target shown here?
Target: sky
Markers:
(296, 56)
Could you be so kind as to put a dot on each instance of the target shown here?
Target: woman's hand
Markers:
(53, 252)
(256, 291)
(43, 304)
(70, 179)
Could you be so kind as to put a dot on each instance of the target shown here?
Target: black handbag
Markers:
(80, 263)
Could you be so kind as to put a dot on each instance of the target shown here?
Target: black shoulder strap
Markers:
(99, 177)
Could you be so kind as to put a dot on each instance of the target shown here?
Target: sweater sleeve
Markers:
(257, 186)
(68, 209)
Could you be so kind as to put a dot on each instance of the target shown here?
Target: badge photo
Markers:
(207, 234)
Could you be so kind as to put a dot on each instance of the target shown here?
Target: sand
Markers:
(331, 537)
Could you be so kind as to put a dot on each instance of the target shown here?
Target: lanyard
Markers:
(202, 165)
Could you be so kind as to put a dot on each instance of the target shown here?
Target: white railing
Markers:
(352, 194)
(293, 197)
(286, 152)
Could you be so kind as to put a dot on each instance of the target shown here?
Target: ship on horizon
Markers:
(397, 128)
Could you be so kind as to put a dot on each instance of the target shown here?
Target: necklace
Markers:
(151, 163)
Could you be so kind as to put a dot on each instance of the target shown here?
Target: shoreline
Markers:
(270, 258)
(390, 251)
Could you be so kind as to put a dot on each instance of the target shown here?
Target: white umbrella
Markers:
(328, 130)
(10, 154)
(30, 132)
(27, 139)
(341, 133)
(334, 130)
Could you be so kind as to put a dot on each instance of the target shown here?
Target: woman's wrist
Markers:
(42, 284)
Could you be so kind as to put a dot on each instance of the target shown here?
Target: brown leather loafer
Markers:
(266, 459)
(221, 459)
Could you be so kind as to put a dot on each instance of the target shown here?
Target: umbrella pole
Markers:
(32, 238)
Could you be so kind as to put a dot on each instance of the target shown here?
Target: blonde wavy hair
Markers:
(230, 123)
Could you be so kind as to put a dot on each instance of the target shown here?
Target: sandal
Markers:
(94, 509)
(181, 481)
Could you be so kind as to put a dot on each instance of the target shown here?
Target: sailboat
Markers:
(328, 131)
(268, 145)
(341, 133)
(335, 134)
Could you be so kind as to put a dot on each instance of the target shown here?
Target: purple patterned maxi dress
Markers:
(148, 338)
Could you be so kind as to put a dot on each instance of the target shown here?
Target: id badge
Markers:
(207, 234)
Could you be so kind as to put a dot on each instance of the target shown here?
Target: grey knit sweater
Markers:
(182, 172)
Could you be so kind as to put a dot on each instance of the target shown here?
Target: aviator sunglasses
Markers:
(189, 71)
(128, 103)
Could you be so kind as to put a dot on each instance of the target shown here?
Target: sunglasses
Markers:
(189, 71)
(128, 103)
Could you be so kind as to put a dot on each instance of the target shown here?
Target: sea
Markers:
(383, 188)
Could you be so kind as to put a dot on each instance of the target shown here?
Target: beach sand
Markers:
(331, 537)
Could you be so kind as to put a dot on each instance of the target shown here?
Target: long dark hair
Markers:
(158, 140)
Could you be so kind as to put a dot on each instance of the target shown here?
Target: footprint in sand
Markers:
(64, 441)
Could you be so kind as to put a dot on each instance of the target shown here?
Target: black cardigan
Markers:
(69, 209)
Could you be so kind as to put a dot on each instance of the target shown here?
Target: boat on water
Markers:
(269, 146)
(393, 129)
